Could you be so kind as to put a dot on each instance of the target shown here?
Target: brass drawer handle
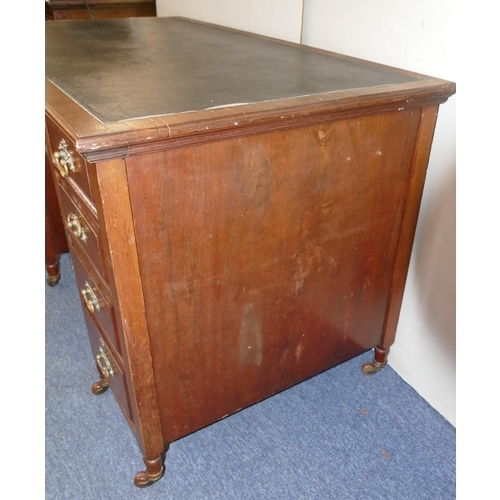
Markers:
(104, 364)
(90, 298)
(63, 160)
(74, 225)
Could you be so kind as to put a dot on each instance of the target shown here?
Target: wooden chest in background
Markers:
(99, 9)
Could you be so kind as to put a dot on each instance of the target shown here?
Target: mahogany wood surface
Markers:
(260, 249)
(233, 250)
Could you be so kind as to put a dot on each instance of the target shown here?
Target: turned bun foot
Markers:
(379, 361)
(100, 387)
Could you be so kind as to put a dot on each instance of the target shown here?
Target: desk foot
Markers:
(53, 274)
(379, 361)
(154, 471)
(100, 387)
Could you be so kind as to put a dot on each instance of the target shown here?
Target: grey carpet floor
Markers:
(340, 435)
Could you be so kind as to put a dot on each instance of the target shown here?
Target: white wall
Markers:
(419, 36)
(276, 18)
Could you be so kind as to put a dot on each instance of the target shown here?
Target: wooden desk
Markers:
(240, 211)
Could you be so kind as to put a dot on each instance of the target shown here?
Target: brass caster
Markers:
(100, 387)
(143, 479)
(371, 367)
(53, 281)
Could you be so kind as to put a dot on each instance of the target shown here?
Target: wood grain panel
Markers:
(267, 259)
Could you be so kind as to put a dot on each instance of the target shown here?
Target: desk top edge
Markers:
(92, 133)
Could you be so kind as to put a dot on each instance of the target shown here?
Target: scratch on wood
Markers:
(250, 336)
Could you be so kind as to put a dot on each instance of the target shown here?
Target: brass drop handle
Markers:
(104, 364)
(90, 299)
(74, 225)
(60, 165)
(63, 159)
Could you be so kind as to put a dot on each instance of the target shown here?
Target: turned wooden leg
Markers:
(53, 273)
(154, 471)
(56, 242)
(379, 361)
(51, 256)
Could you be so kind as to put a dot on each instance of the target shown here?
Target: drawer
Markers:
(96, 304)
(68, 163)
(82, 229)
(108, 366)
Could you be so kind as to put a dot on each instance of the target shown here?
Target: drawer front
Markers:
(108, 366)
(82, 229)
(67, 162)
(96, 304)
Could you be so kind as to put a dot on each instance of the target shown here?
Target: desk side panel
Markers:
(267, 259)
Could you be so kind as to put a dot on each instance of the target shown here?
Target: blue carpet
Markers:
(340, 435)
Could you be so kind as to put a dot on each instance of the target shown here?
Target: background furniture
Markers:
(240, 211)
(100, 9)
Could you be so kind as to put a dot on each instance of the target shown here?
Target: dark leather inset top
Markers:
(121, 69)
